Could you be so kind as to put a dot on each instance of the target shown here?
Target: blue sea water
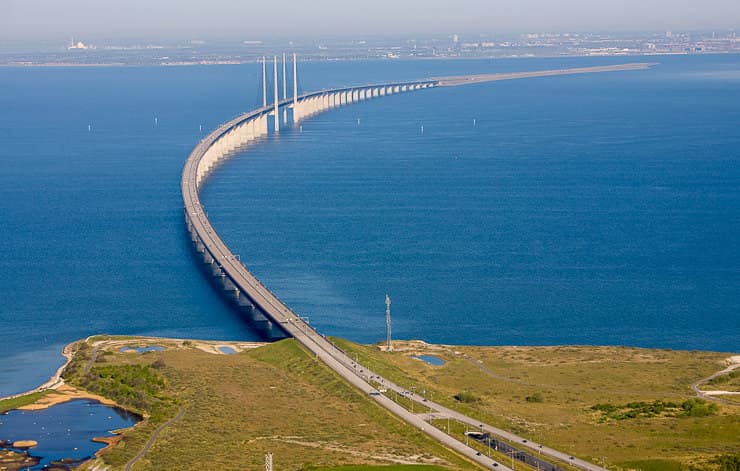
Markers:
(593, 209)
(64, 431)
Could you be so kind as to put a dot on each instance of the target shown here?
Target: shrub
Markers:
(467, 397)
(536, 397)
(698, 408)
(728, 462)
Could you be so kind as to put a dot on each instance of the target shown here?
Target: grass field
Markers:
(238, 407)
(628, 408)
(16, 402)
(567, 382)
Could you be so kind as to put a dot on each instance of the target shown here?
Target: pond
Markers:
(149, 348)
(226, 350)
(430, 359)
(64, 431)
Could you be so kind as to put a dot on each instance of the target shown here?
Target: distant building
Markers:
(78, 45)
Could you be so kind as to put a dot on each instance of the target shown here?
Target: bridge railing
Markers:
(196, 215)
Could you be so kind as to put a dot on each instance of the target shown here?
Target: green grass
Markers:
(396, 467)
(280, 399)
(655, 465)
(9, 404)
(570, 381)
(276, 399)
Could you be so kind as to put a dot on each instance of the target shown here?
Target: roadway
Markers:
(455, 81)
(312, 340)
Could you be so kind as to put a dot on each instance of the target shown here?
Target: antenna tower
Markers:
(388, 344)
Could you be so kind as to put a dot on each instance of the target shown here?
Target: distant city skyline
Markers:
(225, 19)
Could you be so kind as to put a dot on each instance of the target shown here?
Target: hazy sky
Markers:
(244, 19)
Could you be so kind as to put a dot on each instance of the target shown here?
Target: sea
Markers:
(599, 209)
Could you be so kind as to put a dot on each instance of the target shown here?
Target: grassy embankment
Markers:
(629, 407)
(16, 402)
(274, 399)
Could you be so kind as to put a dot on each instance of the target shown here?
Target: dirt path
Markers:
(734, 363)
(154, 436)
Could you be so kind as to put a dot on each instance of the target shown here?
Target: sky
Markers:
(249, 19)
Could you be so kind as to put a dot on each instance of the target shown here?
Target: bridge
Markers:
(262, 307)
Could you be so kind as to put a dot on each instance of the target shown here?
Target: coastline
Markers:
(460, 359)
(55, 381)
(58, 391)
(20, 65)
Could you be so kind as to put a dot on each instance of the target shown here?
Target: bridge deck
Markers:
(287, 320)
(455, 81)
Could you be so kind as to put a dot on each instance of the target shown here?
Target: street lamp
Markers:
(305, 324)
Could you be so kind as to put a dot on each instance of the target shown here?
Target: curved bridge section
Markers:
(270, 315)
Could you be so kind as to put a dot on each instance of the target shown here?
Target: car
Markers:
(524, 441)
(495, 465)
(477, 453)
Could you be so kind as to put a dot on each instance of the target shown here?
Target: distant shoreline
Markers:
(21, 65)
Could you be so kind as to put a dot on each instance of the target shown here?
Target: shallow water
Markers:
(64, 430)
(150, 348)
(431, 359)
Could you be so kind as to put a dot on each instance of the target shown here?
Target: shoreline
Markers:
(59, 392)
(22, 65)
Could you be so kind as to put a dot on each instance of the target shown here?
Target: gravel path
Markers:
(154, 436)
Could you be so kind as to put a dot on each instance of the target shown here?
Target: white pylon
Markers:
(264, 82)
(295, 80)
(277, 111)
(285, 91)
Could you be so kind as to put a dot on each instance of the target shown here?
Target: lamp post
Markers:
(305, 324)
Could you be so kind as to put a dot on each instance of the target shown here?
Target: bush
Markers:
(634, 410)
(605, 408)
(725, 378)
(698, 408)
(536, 397)
(467, 397)
(134, 386)
(728, 462)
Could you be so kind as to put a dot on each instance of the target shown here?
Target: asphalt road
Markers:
(225, 262)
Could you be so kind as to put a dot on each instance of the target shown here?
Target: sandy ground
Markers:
(64, 393)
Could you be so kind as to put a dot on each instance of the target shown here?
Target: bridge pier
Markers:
(220, 145)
